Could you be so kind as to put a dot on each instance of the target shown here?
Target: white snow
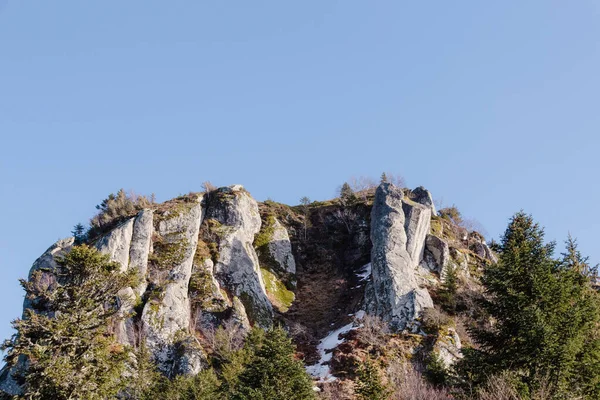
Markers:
(325, 348)
(365, 272)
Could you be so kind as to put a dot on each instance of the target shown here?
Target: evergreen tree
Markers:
(368, 385)
(272, 372)
(447, 293)
(384, 178)
(347, 196)
(79, 234)
(545, 314)
(69, 350)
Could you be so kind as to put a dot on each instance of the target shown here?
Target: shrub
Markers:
(113, 210)
(434, 320)
(451, 214)
(369, 385)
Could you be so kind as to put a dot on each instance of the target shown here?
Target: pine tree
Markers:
(272, 372)
(347, 196)
(384, 178)
(368, 385)
(79, 234)
(546, 315)
(69, 350)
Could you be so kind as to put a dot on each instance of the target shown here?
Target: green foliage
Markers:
(435, 370)
(69, 349)
(79, 233)
(384, 178)
(205, 385)
(146, 378)
(168, 252)
(368, 385)
(347, 195)
(546, 316)
(447, 293)
(451, 214)
(113, 210)
(278, 293)
(265, 235)
(273, 373)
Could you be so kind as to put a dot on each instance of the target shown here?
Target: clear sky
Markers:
(492, 105)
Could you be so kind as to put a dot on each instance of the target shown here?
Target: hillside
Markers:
(375, 278)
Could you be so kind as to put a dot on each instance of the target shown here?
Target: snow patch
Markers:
(321, 370)
(365, 272)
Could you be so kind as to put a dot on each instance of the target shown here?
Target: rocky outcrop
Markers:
(424, 197)
(393, 292)
(166, 316)
(437, 255)
(448, 347)
(280, 249)
(236, 221)
(478, 245)
(141, 241)
(416, 224)
(42, 270)
(117, 243)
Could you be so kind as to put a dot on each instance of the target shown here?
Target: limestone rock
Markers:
(280, 249)
(437, 255)
(423, 196)
(417, 225)
(480, 247)
(169, 314)
(448, 348)
(237, 268)
(46, 263)
(140, 246)
(124, 329)
(393, 292)
(117, 242)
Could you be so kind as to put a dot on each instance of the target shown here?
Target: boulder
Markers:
(448, 348)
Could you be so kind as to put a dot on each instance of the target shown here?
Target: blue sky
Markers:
(493, 106)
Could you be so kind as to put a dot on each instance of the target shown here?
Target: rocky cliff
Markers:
(221, 257)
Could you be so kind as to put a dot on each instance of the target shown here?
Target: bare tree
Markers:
(208, 187)
(305, 203)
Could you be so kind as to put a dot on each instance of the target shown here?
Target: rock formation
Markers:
(398, 230)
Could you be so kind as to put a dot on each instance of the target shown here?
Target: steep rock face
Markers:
(166, 316)
(46, 264)
(280, 249)
(237, 270)
(117, 243)
(394, 293)
(140, 246)
(129, 245)
(416, 224)
(437, 255)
